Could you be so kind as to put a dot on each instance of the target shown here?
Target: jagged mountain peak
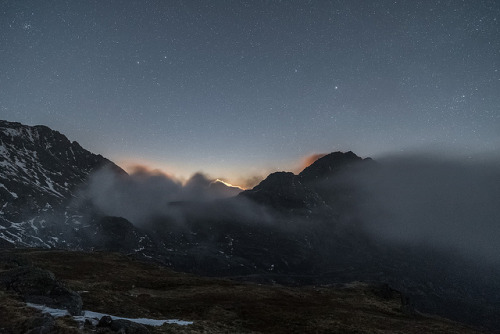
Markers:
(40, 169)
(286, 190)
(12, 131)
(329, 165)
(50, 145)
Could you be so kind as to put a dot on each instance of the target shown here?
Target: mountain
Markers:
(313, 189)
(41, 172)
(284, 190)
(289, 229)
(41, 166)
(330, 165)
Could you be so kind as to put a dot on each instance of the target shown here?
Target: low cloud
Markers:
(415, 199)
(146, 194)
(427, 199)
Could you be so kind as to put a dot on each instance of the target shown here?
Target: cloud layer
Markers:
(146, 194)
(425, 199)
(415, 199)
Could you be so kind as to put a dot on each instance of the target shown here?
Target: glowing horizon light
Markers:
(228, 184)
(182, 175)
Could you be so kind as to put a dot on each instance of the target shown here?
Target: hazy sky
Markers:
(237, 88)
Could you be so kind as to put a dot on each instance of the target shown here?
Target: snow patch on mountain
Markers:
(13, 194)
(40, 174)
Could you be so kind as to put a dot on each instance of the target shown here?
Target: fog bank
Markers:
(451, 203)
(145, 194)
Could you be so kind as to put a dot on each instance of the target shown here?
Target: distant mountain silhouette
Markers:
(329, 165)
(284, 190)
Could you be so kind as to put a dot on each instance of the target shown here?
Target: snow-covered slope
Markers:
(40, 169)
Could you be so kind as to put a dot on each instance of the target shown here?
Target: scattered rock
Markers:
(385, 291)
(41, 325)
(105, 321)
(121, 326)
(40, 286)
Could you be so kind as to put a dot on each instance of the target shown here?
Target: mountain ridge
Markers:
(41, 170)
(289, 229)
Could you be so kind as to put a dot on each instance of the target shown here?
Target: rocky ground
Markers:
(123, 286)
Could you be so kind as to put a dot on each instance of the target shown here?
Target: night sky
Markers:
(242, 88)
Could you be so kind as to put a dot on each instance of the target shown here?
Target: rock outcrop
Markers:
(37, 286)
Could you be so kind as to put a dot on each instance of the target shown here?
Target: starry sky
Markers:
(237, 89)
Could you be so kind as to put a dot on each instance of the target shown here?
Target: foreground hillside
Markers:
(115, 284)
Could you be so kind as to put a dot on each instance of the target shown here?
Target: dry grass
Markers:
(120, 285)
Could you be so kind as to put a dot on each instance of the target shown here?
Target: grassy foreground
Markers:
(121, 285)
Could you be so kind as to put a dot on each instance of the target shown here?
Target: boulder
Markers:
(121, 326)
(40, 286)
(41, 325)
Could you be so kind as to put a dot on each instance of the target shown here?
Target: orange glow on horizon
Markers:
(310, 159)
(182, 175)
(238, 179)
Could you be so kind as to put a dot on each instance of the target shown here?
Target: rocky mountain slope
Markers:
(289, 229)
(40, 170)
